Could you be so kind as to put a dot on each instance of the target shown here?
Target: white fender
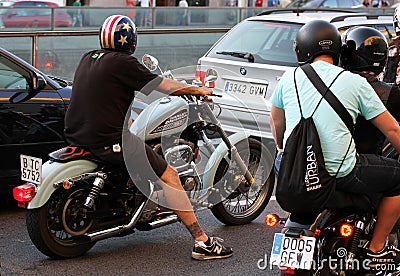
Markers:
(220, 152)
(55, 171)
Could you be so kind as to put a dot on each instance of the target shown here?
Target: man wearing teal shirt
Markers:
(318, 42)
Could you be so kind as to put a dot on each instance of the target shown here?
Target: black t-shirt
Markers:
(104, 87)
(367, 137)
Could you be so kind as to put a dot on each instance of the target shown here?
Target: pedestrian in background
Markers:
(77, 16)
(182, 13)
(145, 12)
(130, 12)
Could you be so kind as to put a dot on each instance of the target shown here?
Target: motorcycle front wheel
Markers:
(235, 202)
(53, 226)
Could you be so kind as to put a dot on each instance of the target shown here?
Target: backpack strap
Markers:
(332, 100)
(297, 92)
(329, 96)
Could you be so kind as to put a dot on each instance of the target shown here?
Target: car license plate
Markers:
(292, 252)
(31, 169)
(244, 88)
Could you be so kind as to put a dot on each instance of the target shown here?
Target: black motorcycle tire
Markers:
(40, 226)
(220, 210)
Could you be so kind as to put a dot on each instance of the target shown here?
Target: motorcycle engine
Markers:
(180, 156)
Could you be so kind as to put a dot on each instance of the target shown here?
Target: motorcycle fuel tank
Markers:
(166, 116)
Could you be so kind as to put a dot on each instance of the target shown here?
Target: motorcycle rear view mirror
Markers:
(211, 76)
(150, 62)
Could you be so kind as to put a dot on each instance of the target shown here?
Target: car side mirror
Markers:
(38, 82)
(20, 97)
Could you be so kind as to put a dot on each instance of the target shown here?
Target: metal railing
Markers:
(58, 52)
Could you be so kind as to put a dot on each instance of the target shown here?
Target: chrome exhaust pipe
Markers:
(164, 221)
(168, 219)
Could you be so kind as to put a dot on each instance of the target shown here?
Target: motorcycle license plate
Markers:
(292, 252)
(243, 88)
(31, 169)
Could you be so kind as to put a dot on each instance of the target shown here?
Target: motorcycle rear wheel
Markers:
(229, 208)
(52, 226)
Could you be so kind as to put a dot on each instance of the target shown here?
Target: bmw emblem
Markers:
(243, 71)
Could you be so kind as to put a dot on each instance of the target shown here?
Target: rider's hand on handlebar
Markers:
(203, 91)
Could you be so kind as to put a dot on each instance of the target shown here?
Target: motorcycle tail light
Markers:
(287, 270)
(24, 193)
(317, 232)
(346, 230)
(271, 220)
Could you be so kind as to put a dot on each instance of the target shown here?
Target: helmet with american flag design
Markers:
(118, 32)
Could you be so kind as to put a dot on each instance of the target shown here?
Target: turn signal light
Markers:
(271, 220)
(24, 193)
(346, 230)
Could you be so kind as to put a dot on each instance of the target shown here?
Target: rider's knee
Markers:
(170, 176)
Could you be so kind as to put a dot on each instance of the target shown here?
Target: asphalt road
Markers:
(163, 251)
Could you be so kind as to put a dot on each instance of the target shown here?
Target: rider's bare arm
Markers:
(278, 125)
(176, 88)
(389, 126)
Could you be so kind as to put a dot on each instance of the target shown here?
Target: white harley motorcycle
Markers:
(73, 200)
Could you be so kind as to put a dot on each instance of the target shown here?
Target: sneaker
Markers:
(213, 251)
(390, 254)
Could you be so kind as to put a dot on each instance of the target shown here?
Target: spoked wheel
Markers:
(237, 203)
(53, 226)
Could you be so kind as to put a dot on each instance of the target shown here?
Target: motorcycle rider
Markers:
(319, 43)
(392, 69)
(104, 86)
(365, 52)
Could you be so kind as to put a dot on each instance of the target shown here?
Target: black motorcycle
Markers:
(333, 244)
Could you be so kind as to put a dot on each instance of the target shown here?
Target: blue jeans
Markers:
(277, 163)
(372, 174)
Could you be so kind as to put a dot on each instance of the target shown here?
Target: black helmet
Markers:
(118, 32)
(396, 21)
(364, 49)
(317, 37)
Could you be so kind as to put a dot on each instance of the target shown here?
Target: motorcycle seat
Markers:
(70, 153)
(340, 200)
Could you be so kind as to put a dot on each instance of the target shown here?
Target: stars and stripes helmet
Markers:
(118, 32)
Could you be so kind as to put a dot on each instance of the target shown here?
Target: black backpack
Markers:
(304, 185)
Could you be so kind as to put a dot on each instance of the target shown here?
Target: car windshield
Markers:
(259, 42)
